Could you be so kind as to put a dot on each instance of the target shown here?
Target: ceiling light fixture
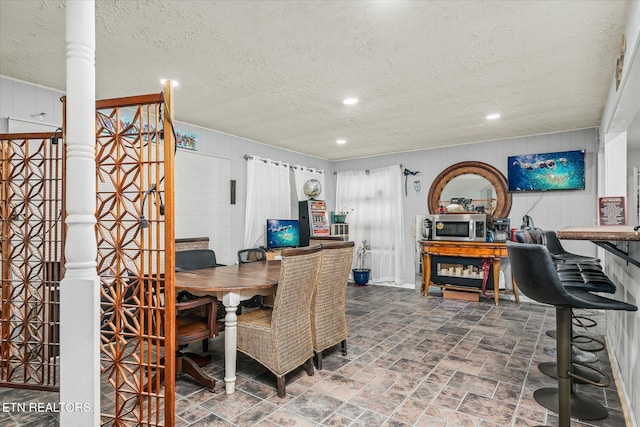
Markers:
(341, 141)
(493, 116)
(350, 101)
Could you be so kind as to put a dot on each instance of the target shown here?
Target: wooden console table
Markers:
(495, 251)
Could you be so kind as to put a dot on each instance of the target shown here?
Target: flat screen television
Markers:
(563, 170)
(283, 233)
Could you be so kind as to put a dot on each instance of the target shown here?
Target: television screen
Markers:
(562, 170)
(283, 233)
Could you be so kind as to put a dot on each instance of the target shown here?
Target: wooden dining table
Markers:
(231, 284)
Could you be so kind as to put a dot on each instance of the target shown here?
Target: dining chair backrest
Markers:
(195, 259)
(557, 251)
(251, 255)
(290, 320)
(531, 236)
(328, 318)
(535, 273)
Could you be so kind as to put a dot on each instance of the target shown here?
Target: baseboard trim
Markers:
(394, 285)
(629, 417)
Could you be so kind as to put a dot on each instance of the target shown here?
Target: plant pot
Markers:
(339, 219)
(361, 276)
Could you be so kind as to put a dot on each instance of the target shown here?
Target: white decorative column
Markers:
(80, 287)
(615, 161)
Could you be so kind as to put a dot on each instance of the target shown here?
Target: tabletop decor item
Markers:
(340, 217)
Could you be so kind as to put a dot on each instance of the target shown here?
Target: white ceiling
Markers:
(426, 72)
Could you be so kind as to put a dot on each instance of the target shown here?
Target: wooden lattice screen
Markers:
(133, 154)
(137, 380)
(31, 211)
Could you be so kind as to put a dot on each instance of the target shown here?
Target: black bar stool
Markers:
(576, 271)
(536, 276)
(557, 251)
(583, 272)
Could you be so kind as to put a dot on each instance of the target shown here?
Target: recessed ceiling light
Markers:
(341, 141)
(493, 116)
(174, 83)
(350, 101)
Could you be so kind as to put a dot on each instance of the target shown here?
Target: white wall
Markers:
(555, 209)
(622, 116)
(26, 101)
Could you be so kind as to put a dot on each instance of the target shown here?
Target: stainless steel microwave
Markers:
(465, 227)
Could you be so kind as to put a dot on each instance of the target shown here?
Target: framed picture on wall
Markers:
(188, 140)
(563, 170)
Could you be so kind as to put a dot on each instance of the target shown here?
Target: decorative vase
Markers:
(361, 276)
(339, 219)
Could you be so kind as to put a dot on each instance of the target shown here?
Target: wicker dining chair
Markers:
(328, 318)
(280, 337)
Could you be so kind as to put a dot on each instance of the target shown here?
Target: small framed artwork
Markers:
(611, 211)
(188, 140)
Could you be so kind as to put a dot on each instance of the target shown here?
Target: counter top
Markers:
(599, 233)
(605, 236)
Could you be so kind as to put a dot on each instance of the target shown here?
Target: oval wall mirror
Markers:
(471, 187)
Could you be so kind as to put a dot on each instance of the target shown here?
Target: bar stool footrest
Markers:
(582, 407)
(581, 339)
(551, 369)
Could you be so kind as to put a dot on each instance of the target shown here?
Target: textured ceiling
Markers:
(426, 72)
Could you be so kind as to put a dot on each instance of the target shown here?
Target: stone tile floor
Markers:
(412, 361)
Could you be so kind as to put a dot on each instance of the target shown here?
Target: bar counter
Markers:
(603, 236)
(617, 233)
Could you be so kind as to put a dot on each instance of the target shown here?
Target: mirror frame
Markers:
(488, 172)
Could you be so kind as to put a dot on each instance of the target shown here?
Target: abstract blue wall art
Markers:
(562, 170)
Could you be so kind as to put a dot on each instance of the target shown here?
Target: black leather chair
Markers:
(535, 273)
(195, 259)
(251, 255)
(558, 252)
(580, 271)
(533, 236)
(587, 276)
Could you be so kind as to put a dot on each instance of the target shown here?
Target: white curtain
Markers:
(268, 197)
(377, 217)
(302, 174)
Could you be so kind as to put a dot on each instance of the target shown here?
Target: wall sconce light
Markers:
(406, 172)
(55, 138)
(39, 116)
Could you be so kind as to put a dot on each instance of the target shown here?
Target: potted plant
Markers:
(361, 273)
(341, 216)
